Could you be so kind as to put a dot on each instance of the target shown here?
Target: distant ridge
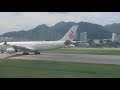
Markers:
(43, 32)
(115, 27)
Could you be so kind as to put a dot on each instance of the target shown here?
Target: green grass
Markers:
(51, 69)
(82, 51)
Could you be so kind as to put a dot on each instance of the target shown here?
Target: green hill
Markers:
(43, 32)
(113, 27)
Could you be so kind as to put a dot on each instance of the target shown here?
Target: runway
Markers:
(98, 59)
(93, 48)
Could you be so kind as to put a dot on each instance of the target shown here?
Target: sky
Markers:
(16, 21)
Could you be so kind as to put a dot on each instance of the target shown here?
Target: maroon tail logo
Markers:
(71, 35)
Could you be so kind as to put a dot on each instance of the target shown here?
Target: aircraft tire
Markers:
(36, 53)
(25, 53)
(2, 51)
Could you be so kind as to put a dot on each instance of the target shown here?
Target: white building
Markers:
(114, 36)
(83, 37)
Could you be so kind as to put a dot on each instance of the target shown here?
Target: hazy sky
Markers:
(15, 21)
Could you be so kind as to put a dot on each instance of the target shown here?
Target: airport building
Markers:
(115, 37)
(83, 37)
(96, 41)
(2, 39)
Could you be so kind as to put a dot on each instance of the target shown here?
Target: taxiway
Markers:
(99, 59)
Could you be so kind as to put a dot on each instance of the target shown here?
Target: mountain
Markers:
(43, 32)
(94, 31)
(115, 27)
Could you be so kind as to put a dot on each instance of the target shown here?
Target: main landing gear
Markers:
(2, 51)
(36, 53)
(25, 53)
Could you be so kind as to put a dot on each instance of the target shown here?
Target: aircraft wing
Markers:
(20, 47)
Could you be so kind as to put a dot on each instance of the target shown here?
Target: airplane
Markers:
(37, 46)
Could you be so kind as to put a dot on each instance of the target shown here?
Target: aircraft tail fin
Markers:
(70, 35)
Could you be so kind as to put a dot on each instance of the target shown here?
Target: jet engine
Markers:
(10, 50)
(67, 42)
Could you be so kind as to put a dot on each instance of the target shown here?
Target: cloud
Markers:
(15, 21)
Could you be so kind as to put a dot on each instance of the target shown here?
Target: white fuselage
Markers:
(36, 45)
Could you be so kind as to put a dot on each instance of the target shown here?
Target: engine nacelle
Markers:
(68, 42)
(10, 50)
